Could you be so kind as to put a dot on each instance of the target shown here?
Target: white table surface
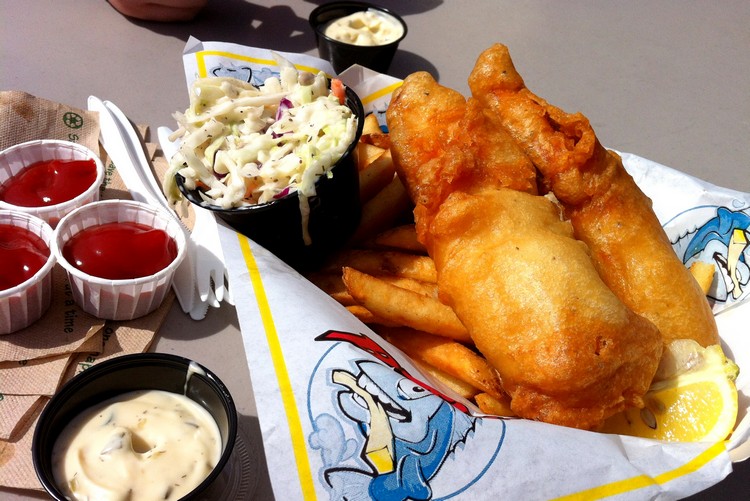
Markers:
(667, 80)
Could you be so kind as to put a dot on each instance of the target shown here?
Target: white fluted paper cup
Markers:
(24, 304)
(121, 299)
(19, 157)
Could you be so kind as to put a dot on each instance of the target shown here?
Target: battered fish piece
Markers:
(568, 351)
(450, 144)
(607, 209)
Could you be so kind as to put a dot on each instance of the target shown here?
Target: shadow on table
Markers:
(735, 486)
(244, 23)
(183, 328)
(280, 28)
(399, 7)
(256, 482)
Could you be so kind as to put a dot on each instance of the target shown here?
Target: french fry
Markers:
(381, 139)
(376, 176)
(367, 154)
(382, 210)
(333, 285)
(367, 317)
(494, 406)
(449, 356)
(402, 238)
(403, 307)
(428, 289)
(371, 125)
(459, 387)
(367, 151)
(704, 274)
(398, 264)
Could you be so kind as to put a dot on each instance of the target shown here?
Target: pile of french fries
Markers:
(386, 279)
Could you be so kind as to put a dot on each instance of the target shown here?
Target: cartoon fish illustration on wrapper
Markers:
(387, 434)
(722, 237)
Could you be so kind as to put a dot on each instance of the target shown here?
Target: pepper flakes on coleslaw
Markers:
(245, 145)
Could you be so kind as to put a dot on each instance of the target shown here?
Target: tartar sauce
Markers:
(149, 444)
(367, 27)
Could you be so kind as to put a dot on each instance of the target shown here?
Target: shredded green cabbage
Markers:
(238, 153)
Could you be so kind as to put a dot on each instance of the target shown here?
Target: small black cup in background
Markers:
(342, 55)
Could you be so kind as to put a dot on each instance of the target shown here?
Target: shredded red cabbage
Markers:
(284, 105)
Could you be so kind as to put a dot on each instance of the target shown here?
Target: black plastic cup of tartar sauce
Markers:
(141, 371)
(342, 55)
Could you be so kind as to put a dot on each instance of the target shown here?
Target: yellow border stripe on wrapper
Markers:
(382, 92)
(641, 481)
(200, 58)
(282, 375)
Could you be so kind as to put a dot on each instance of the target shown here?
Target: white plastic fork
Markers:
(210, 270)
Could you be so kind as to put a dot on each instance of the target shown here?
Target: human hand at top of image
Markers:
(159, 10)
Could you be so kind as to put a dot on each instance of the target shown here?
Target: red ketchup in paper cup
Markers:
(26, 271)
(49, 178)
(120, 257)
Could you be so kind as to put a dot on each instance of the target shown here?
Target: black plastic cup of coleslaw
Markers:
(141, 371)
(342, 55)
(278, 225)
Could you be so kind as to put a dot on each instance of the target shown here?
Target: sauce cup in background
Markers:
(277, 225)
(128, 373)
(17, 159)
(118, 298)
(23, 304)
(341, 54)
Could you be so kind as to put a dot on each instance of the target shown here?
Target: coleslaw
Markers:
(245, 145)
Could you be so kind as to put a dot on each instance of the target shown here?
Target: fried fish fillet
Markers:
(450, 147)
(568, 351)
(607, 209)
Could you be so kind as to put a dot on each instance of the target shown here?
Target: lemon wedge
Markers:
(693, 398)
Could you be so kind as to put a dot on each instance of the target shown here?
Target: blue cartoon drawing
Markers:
(405, 432)
(379, 112)
(409, 431)
(261, 75)
(243, 73)
(255, 77)
(724, 240)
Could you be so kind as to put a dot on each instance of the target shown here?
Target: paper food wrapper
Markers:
(37, 360)
(308, 357)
